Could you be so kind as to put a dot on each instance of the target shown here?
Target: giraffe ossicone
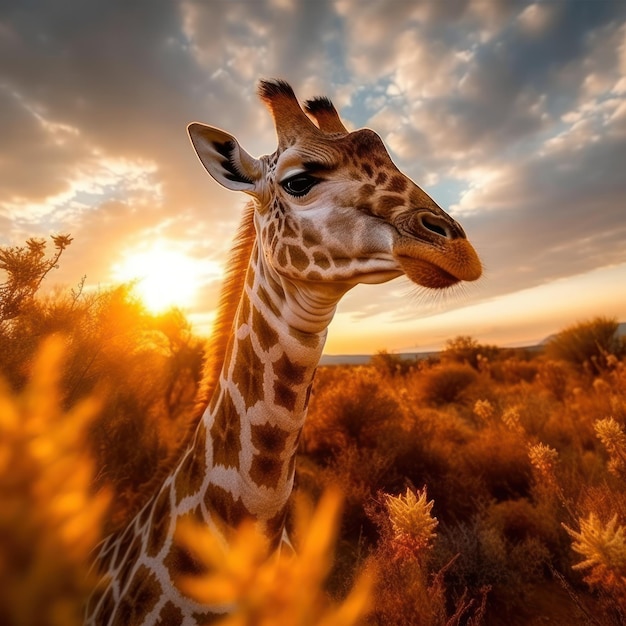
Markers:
(328, 210)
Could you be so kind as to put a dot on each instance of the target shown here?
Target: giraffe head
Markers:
(332, 209)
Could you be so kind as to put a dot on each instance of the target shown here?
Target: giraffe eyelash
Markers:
(299, 184)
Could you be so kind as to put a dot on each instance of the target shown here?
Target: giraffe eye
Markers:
(299, 185)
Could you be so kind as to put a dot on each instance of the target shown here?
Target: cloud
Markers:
(515, 112)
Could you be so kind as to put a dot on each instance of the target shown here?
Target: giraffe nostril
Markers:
(435, 225)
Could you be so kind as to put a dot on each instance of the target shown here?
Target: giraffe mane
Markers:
(230, 295)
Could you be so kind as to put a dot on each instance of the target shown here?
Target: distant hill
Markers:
(364, 359)
(621, 332)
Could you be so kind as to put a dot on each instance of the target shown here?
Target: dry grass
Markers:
(516, 454)
(522, 460)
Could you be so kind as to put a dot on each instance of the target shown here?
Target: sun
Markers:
(164, 277)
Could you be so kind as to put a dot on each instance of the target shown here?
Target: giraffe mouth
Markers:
(437, 266)
(426, 274)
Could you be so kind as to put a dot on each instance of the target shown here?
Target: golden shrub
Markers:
(603, 547)
(612, 435)
(49, 520)
(270, 590)
(411, 520)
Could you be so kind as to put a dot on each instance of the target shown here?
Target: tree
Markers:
(25, 267)
(465, 349)
(146, 368)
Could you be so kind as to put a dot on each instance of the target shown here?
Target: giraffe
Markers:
(328, 210)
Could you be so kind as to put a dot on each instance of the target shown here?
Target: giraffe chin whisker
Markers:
(427, 274)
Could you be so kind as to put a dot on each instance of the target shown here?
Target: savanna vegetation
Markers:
(483, 486)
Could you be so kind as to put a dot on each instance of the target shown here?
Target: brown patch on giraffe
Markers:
(248, 373)
(140, 598)
(268, 439)
(314, 276)
(366, 192)
(418, 198)
(244, 309)
(299, 259)
(190, 474)
(381, 179)
(310, 239)
(282, 256)
(386, 204)
(181, 563)
(284, 395)
(250, 278)
(289, 230)
(170, 615)
(266, 470)
(228, 355)
(321, 260)
(271, 231)
(222, 503)
(362, 148)
(106, 606)
(270, 442)
(286, 369)
(226, 433)
(105, 558)
(367, 168)
(397, 184)
(266, 335)
(265, 298)
(161, 512)
(131, 559)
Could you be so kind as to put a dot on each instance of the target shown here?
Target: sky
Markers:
(511, 115)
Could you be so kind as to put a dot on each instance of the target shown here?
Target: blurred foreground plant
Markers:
(266, 589)
(49, 522)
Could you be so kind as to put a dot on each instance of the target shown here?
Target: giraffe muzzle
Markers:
(433, 250)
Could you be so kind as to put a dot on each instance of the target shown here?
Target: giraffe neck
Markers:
(241, 461)
(249, 433)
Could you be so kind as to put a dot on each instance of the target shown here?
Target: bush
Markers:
(464, 349)
(447, 383)
(149, 366)
(587, 345)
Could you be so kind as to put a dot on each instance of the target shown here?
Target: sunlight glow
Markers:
(164, 277)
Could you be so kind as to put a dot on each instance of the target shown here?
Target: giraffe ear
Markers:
(223, 158)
